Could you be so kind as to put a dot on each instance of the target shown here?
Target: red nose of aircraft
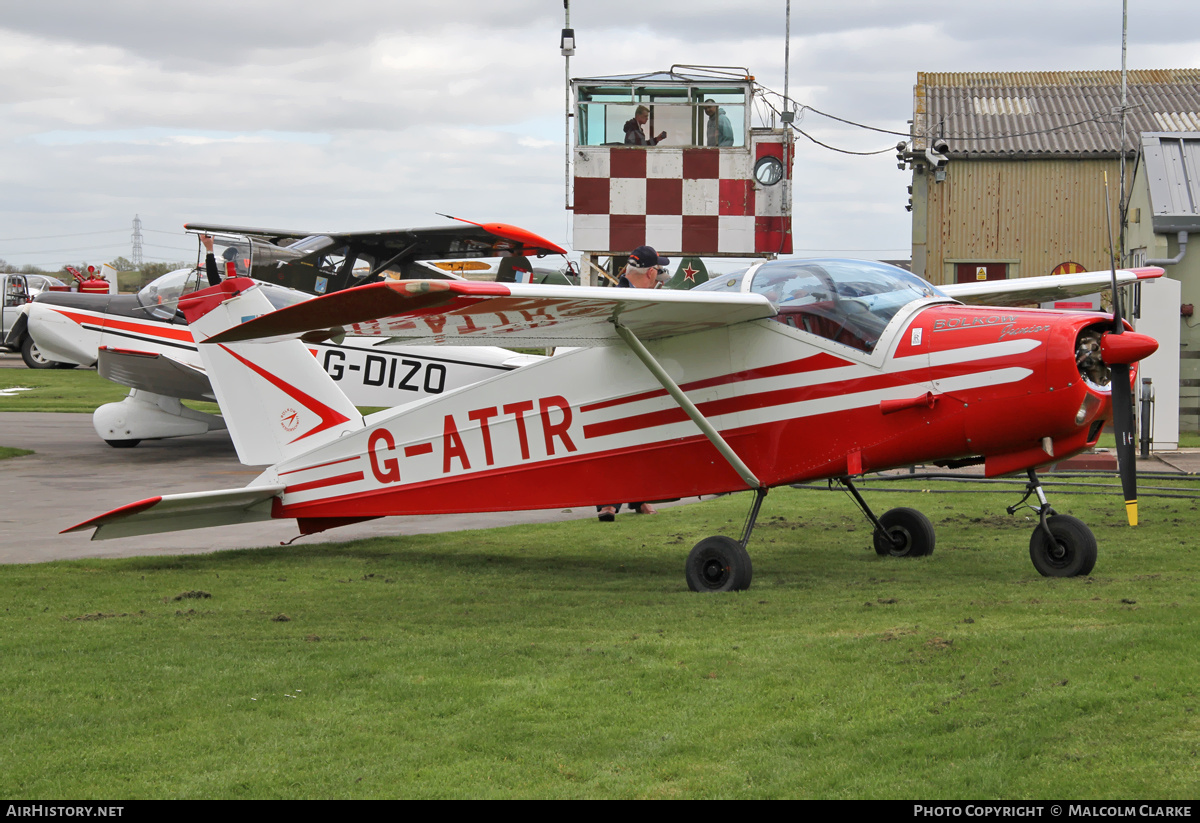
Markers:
(1126, 348)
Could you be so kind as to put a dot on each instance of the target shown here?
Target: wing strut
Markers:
(688, 406)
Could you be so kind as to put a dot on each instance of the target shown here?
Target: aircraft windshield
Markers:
(161, 295)
(847, 301)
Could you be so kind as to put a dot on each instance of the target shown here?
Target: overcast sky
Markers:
(365, 114)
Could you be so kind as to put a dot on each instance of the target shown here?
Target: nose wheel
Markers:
(1061, 545)
(1069, 551)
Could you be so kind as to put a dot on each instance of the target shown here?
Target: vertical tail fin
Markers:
(109, 274)
(276, 399)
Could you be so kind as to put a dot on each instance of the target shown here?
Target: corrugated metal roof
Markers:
(1172, 168)
(1023, 114)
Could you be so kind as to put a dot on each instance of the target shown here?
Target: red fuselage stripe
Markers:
(321, 465)
(759, 400)
(815, 363)
(353, 477)
(104, 321)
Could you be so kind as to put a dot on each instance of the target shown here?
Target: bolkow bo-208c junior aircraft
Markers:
(141, 341)
(792, 370)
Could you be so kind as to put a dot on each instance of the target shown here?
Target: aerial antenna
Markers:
(567, 47)
(787, 116)
(1124, 92)
(787, 56)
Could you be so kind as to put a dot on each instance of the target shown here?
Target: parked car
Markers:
(18, 290)
(38, 283)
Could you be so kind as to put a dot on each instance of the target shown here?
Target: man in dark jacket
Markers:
(634, 136)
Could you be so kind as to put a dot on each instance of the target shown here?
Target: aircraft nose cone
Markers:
(1126, 348)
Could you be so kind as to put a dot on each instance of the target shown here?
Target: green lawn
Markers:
(65, 390)
(57, 390)
(569, 660)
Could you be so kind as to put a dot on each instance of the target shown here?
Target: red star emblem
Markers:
(690, 274)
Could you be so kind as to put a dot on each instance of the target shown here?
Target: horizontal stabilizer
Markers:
(158, 373)
(177, 512)
(1024, 290)
(465, 313)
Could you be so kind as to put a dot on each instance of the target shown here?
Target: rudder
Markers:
(276, 398)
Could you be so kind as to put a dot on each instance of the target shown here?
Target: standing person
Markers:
(641, 273)
(634, 136)
(720, 132)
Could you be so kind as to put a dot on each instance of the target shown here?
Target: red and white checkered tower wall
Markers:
(682, 200)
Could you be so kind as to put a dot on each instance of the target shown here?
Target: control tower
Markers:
(714, 186)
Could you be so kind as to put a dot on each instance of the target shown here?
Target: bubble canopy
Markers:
(161, 296)
(847, 301)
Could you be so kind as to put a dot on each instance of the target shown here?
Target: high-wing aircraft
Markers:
(142, 341)
(793, 370)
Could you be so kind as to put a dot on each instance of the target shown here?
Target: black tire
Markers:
(122, 444)
(33, 357)
(718, 564)
(1074, 550)
(913, 529)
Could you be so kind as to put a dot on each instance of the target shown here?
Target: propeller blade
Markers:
(1122, 406)
(1122, 392)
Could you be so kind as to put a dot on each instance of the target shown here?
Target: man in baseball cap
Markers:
(641, 273)
(643, 269)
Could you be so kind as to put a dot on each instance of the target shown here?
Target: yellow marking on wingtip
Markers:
(1131, 511)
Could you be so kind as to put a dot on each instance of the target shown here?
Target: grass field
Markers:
(569, 660)
(57, 390)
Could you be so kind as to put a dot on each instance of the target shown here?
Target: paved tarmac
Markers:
(74, 475)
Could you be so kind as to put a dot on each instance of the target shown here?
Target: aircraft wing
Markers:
(157, 373)
(430, 243)
(1024, 290)
(190, 510)
(441, 312)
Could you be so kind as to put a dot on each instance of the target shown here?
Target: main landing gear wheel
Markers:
(1072, 553)
(911, 531)
(718, 564)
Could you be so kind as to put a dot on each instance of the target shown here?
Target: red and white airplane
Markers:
(793, 370)
(143, 342)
